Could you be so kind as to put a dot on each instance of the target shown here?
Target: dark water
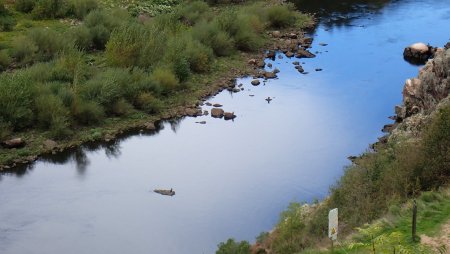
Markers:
(232, 179)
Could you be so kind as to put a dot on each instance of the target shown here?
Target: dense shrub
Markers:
(70, 67)
(87, 112)
(48, 43)
(191, 12)
(165, 79)
(46, 9)
(81, 37)
(80, 8)
(125, 46)
(233, 247)
(24, 5)
(148, 103)
(5, 60)
(5, 129)
(211, 35)
(199, 56)
(101, 23)
(244, 28)
(281, 16)
(436, 147)
(16, 98)
(121, 107)
(24, 50)
(51, 113)
(7, 23)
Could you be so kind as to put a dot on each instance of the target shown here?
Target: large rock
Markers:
(14, 143)
(418, 53)
(217, 112)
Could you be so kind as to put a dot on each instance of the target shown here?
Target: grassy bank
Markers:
(76, 71)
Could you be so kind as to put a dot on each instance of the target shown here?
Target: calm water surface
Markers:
(232, 178)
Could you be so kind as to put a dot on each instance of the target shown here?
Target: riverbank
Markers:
(411, 159)
(185, 102)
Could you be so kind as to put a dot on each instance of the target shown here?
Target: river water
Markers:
(232, 178)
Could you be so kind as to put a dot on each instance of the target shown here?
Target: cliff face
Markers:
(423, 95)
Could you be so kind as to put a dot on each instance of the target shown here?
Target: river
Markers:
(232, 178)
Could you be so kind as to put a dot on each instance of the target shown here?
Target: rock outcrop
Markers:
(422, 95)
(418, 53)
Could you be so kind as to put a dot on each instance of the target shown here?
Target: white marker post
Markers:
(333, 226)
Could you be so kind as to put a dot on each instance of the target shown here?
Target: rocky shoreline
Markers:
(292, 42)
(422, 98)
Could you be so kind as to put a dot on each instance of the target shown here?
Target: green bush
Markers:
(211, 35)
(49, 9)
(233, 247)
(81, 8)
(81, 37)
(48, 42)
(5, 60)
(199, 56)
(70, 67)
(179, 62)
(50, 112)
(165, 79)
(125, 46)
(148, 103)
(281, 16)
(16, 99)
(7, 23)
(24, 50)
(192, 12)
(101, 23)
(87, 112)
(5, 129)
(24, 5)
(436, 146)
(121, 107)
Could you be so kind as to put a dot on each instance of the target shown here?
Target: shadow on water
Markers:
(78, 155)
(334, 13)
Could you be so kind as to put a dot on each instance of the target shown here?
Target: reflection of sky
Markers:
(232, 178)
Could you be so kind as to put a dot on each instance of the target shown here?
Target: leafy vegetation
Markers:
(76, 64)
